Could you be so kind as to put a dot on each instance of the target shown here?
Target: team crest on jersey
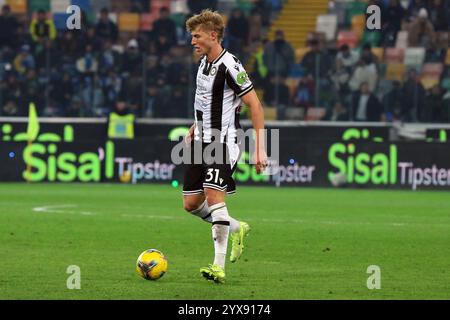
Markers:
(213, 71)
(241, 78)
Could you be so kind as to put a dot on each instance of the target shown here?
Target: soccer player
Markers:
(222, 84)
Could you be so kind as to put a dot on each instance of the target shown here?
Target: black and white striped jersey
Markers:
(220, 85)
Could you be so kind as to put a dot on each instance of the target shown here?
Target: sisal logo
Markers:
(362, 167)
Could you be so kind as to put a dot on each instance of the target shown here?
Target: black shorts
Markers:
(218, 176)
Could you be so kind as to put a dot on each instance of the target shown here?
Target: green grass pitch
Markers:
(304, 244)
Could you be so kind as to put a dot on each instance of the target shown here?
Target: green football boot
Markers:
(237, 244)
(213, 272)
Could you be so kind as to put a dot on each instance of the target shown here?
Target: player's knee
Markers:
(190, 206)
(214, 197)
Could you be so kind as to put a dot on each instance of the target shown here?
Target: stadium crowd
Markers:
(84, 73)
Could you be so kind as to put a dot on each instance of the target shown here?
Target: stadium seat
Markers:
(347, 37)
(354, 8)
(378, 52)
(156, 5)
(358, 25)
(179, 19)
(394, 55)
(147, 20)
(315, 114)
(60, 20)
(429, 83)
(85, 5)
(447, 58)
(395, 71)
(443, 39)
(35, 5)
(327, 23)
(445, 84)
(292, 84)
(432, 70)
(300, 53)
(59, 6)
(371, 37)
(97, 5)
(402, 39)
(270, 113)
(49, 16)
(129, 22)
(414, 57)
(179, 6)
(295, 113)
(18, 6)
(431, 74)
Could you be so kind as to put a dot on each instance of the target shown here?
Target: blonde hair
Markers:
(207, 20)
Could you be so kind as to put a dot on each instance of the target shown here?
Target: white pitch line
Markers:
(287, 221)
(57, 209)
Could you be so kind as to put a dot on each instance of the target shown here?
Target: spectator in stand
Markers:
(12, 93)
(162, 45)
(176, 107)
(277, 95)
(8, 28)
(132, 60)
(337, 113)
(255, 26)
(155, 102)
(32, 90)
(24, 60)
(42, 29)
(195, 6)
(133, 94)
(367, 53)
(279, 56)
(92, 98)
(91, 39)
(68, 46)
(164, 26)
(304, 93)
(439, 15)
(317, 62)
(347, 58)
(237, 32)
(109, 59)
(446, 113)
(112, 86)
(421, 31)
(413, 94)
(47, 56)
(340, 80)
(414, 8)
(265, 10)
(392, 102)
(61, 93)
(106, 29)
(365, 106)
(87, 65)
(392, 18)
(365, 72)
(259, 75)
(434, 107)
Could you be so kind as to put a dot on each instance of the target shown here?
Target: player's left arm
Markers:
(257, 114)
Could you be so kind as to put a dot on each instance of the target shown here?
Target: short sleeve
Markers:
(237, 78)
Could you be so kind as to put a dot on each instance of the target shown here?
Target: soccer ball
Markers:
(151, 264)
